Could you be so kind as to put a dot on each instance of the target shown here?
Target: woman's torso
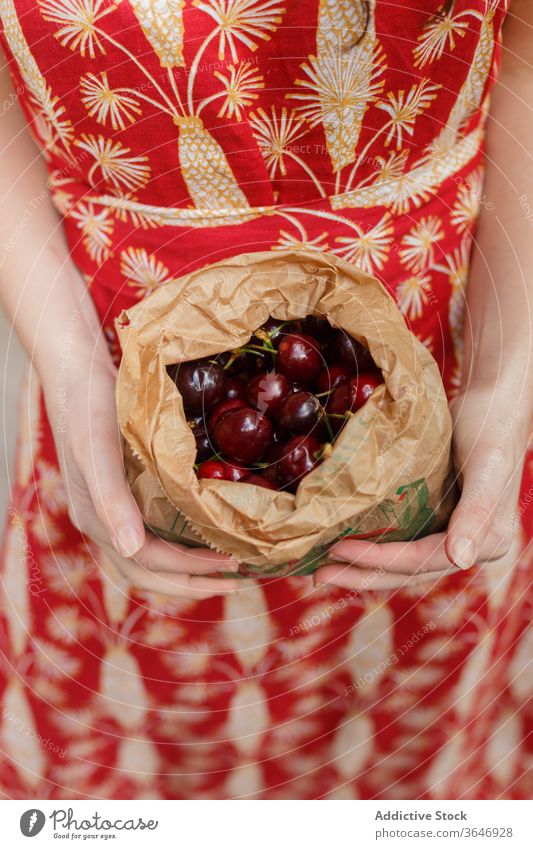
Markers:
(178, 133)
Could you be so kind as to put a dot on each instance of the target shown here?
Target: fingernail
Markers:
(233, 565)
(128, 541)
(463, 553)
(338, 555)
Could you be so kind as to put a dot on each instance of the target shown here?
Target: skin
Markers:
(492, 413)
(44, 295)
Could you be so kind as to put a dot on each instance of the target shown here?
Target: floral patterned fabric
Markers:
(178, 133)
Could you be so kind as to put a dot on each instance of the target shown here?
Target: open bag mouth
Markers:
(400, 437)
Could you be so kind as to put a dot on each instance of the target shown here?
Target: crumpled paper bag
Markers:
(389, 476)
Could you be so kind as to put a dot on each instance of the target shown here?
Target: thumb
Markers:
(111, 496)
(486, 477)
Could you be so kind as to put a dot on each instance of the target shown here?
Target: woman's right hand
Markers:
(42, 292)
(84, 422)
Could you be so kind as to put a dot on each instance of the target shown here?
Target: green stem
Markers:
(329, 428)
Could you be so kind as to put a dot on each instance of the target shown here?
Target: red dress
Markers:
(178, 133)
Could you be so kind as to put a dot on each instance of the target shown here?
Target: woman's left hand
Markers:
(491, 428)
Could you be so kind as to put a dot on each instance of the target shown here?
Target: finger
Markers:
(359, 580)
(180, 585)
(424, 555)
(481, 524)
(115, 506)
(158, 555)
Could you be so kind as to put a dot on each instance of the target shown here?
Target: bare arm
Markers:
(492, 414)
(45, 297)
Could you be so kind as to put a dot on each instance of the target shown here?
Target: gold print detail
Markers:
(115, 165)
(403, 110)
(438, 33)
(103, 102)
(466, 207)
(398, 189)
(413, 295)
(240, 89)
(242, 21)
(51, 128)
(96, 228)
(418, 245)
(274, 135)
(469, 98)
(143, 270)
(162, 25)
(205, 169)
(342, 82)
(368, 250)
(77, 20)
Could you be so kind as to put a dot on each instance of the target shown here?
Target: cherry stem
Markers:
(251, 349)
(329, 428)
(337, 415)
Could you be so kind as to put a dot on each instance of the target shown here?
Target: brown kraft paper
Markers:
(389, 475)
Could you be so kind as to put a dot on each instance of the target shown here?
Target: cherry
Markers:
(204, 449)
(266, 391)
(235, 473)
(341, 400)
(346, 350)
(352, 395)
(243, 435)
(363, 387)
(201, 384)
(212, 470)
(259, 480)
(301, 456)
(320, 328)
(333, 376)
(223, 408)
(234, 388)
(299, 413)
(299, 357)
(273, 456)
(246, 364)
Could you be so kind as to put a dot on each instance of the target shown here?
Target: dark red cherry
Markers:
(299, 357)
(204, 448)
(201, 385)
(346, 350)
(223, 408)
(301, 456)
(341, 400)
(234, 388)
(260, 480)
(212, 470)
(234, 472)
(317, 327)
(243, 435)
(333, 376)
(272, 458)
(266, 391)
(299, 413)
(363, 387)
(352, 395)
(246, 364)
(196, 423)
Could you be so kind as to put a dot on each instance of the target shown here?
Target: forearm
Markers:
(40, 288)
(499, 315)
